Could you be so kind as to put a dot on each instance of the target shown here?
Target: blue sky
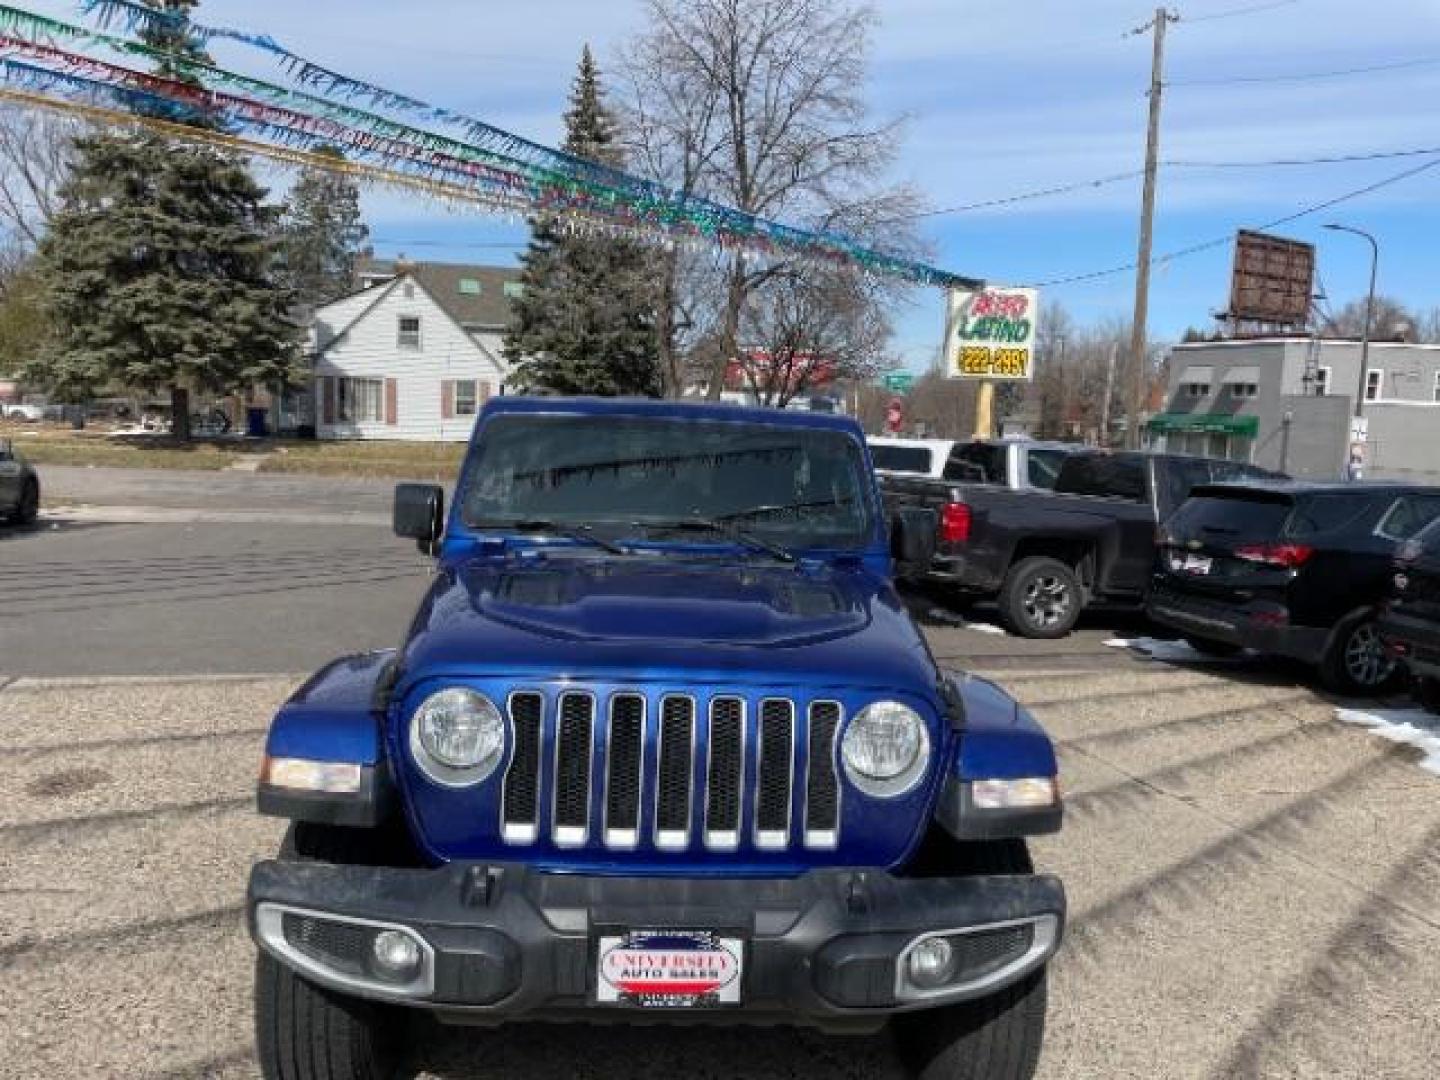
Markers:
(1001, 99)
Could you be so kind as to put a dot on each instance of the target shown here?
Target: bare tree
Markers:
(35, 154)
(1392, 321)
(1428, 327)
(762, 101)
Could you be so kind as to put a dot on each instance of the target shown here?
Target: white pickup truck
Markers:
(1017, 464)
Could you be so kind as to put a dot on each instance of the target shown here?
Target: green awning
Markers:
(1206, 423)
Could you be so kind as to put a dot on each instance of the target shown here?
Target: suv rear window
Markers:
(977, 463)
(1241, 516)
(1105, 475)
(911, 459)
(1408, 515)
(1317, 514)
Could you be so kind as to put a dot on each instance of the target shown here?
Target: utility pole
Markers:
(1140, 333)
(1109, 392)
(1358, 429)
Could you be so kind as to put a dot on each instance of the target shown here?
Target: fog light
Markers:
(397, 954)
(932, 963)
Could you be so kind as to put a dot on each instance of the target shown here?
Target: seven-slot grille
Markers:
(673, 772)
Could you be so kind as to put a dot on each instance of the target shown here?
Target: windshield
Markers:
(796, 487)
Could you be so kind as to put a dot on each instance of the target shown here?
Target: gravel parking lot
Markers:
(1254, 887)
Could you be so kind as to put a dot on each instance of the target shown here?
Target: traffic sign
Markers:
(899, 382)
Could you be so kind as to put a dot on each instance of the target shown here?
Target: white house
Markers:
(412, 355)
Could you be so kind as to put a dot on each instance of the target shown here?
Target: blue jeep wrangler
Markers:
(662, 743)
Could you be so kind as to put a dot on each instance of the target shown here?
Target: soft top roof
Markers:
(649, 408)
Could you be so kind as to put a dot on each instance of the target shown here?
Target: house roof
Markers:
(488, 308)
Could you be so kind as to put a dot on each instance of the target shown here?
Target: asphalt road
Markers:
(1253, 886)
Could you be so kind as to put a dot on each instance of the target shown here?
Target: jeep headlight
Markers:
(457, 737)
(885, 749)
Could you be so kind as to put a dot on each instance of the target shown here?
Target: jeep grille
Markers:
(672, 772)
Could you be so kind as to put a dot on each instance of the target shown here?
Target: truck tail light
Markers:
(955, 523)
(1289, 556)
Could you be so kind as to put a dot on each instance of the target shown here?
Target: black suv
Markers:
(1290, 569)
(1411, 624)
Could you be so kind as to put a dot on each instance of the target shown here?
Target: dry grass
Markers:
(439, 462)
(51, 444)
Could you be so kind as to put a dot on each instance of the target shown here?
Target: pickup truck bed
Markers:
(1045, 555)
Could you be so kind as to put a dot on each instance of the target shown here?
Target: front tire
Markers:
(28, 508)
(1040, 598)
(1357, 663)
(995, 1038)
(305, 1033)
(1427, 692)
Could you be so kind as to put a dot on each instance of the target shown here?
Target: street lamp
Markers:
(1365, 335)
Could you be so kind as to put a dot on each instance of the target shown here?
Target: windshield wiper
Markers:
(581, 534)
(721, 527)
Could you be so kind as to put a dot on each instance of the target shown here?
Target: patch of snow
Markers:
(1173, 651)
(951, 618)
(1413, 727)
(985, 628)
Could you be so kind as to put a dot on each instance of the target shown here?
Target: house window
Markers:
(1322, 381)
(1244, 390)
(1374, 381)
(514, 290)
(469, 287)
(466, 397)
(359, 401)
(1195, 390)
(409, 337)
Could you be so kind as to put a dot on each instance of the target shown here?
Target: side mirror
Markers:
(420, 515)
(912, 539)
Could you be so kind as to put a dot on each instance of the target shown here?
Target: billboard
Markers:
(991, 334)
(1273, 280)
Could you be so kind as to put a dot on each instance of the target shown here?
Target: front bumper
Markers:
(503, 941)
(1259, 625)
(1416, 639)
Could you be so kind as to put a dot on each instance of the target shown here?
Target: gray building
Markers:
(1286, 403)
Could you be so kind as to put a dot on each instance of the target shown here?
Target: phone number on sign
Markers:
(976, 360)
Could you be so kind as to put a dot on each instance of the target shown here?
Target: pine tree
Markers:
(586, 321)
(159, 264)
(321, 233)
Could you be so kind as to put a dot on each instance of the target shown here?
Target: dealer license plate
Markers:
(1191, 564)
(669, 969)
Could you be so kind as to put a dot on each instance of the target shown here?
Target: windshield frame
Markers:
(868, 541)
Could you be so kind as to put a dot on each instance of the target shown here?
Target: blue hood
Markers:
(580, 616)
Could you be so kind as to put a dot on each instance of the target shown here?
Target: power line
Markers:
(1235, 13)
(1206, 245)
(1329, 159)
(1168, 163)
(1303, 76)
(1024, 196)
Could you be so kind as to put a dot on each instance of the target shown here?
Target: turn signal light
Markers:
(1289, 556)
(955, 523)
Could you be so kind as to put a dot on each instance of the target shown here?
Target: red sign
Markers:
(895, 417)
(794, 368)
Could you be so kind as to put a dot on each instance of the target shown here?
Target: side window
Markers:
(1407, 515)
(1104, 475)
(1326, 514)
(1042, 467)
(977, 463)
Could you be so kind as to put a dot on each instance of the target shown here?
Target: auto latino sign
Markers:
(991, 334)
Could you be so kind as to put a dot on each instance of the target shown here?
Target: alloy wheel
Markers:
(1366, 660)
(1046, 601)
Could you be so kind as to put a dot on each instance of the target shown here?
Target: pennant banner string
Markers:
(295, 117)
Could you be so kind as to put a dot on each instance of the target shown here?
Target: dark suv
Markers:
(1291, 569)
(1411, 624)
